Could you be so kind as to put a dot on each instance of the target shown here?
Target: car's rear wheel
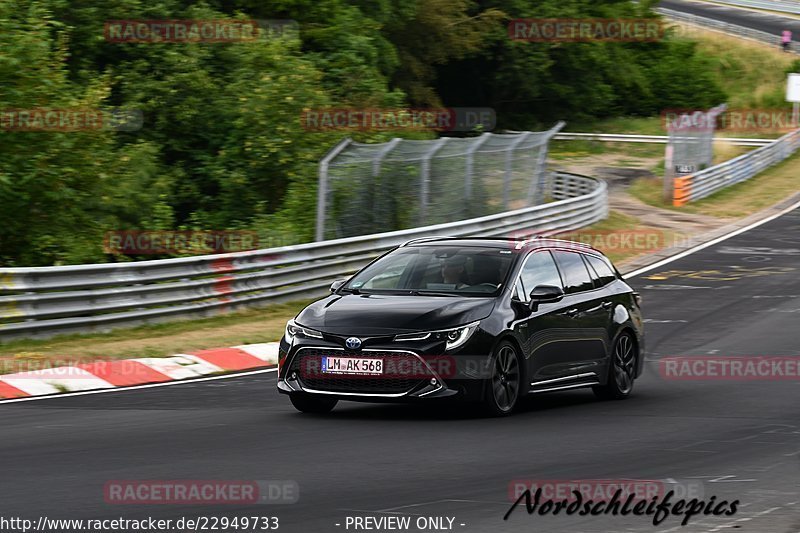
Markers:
(622, 370)
(504, 383)
(307, 403)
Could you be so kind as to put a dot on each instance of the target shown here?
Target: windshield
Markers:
(428, 270)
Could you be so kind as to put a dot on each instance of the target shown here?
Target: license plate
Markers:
(351, 365)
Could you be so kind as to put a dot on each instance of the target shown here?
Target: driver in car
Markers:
(454, 271)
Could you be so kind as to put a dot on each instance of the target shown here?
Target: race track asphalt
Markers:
(758, 20)
(740, 440)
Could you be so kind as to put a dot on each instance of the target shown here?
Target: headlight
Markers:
(454, 337)
(293, 330)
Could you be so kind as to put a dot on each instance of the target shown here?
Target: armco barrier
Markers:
(708, 181)
(731, 29)
(784, 6)
(654, 139)
(44, 301)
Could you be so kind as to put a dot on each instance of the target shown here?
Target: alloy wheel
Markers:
(505, 378)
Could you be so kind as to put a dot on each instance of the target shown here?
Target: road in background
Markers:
(761, 21)
(742, 440)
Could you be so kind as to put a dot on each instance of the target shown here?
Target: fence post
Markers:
(322, 187)
(468, 175)
(509, 166)
(378, 186)
(425, 178)
(540, 171)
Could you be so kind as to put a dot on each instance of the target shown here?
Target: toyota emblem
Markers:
(354, 343)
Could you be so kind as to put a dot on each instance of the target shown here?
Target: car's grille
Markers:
(308, 362)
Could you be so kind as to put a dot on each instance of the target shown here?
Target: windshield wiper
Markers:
(350, 290)
(353, 290)
(424, 292)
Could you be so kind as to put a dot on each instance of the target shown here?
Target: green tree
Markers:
(59, 191)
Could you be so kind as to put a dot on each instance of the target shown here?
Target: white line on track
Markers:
(708, 244)
(137, 387)
(263, 371)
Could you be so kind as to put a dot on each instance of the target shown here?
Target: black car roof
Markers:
(506, 243)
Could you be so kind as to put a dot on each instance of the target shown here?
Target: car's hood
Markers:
(373, 314)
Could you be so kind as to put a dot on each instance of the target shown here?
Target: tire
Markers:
(307, 403)
(622, 370)
(503, 388)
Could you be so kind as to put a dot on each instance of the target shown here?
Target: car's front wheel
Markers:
(504, 382)
(307, 403)
(622, 370)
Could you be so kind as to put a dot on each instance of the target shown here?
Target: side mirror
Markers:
(545, 294)
(336, 284)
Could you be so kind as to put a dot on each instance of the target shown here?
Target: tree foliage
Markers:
(222, 145)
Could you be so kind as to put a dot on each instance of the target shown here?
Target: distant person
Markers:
(786, 40)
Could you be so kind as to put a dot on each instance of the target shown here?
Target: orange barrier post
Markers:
(682, 188)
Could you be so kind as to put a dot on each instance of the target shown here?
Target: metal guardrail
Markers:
(655, 139)
(701, 184)
(732, 29)
(784, 6)
(44, 301)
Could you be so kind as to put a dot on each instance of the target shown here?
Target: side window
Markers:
(604, 273)
(539, 269)
(573, 270)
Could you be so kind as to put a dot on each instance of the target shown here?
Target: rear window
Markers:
(602, 271)
(573, 271)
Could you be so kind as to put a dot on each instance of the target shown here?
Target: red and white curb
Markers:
(130, 372)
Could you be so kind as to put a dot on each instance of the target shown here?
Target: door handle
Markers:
(608, 305)
(571, 312)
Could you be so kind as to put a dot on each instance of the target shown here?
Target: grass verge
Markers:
(160, 340)
(751, 73)
(622, 237)
(742, 199)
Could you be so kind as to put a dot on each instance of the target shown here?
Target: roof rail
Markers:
(424, 239)
(573, 243)
(524, 243)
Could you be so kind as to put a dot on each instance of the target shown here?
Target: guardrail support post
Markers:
(669, 173)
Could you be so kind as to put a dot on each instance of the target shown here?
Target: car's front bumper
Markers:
(431, 376)
(289, 386)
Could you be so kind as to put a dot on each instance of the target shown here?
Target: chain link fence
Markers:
(690, 145)
(691, 141)
(401, 184)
